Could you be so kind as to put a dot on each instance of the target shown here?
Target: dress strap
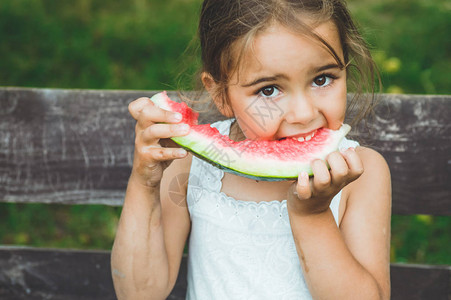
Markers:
(346, 143)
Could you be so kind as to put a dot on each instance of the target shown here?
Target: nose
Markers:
(301, 109)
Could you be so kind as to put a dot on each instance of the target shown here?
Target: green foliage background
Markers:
(141, 44)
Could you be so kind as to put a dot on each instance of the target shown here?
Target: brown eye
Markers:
(269, 91)
(320, 80)
(324, 80)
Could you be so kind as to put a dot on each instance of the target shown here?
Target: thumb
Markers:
(303, 190)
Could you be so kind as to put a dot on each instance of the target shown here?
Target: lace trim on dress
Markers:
(206, 201)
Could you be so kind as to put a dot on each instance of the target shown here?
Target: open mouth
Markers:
(301, 138)
(308, 137)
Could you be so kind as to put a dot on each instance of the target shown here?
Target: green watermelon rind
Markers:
(257, 168)
(232, 161)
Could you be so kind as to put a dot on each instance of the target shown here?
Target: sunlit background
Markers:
(143, 44)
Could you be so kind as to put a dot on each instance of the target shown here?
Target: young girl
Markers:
(325, 237)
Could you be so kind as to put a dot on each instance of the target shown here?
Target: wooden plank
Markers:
(414, 135)
(76, 146)
(65, 146)
(30, 273)
(54, 274)
(420, 282)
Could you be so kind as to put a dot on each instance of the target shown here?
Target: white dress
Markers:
(240, 249)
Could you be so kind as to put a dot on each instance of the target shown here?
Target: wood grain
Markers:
(30, 273)
(76, 146)
(418, 282)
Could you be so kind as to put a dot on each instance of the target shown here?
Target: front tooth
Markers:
(301, 139)
(307, 138)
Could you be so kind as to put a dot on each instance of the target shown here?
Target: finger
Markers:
(161, 131)
(339, 169)
(303, 189)
(162, 154)
(321, 175)
(136, 106)
(354, 163)
(151, 114)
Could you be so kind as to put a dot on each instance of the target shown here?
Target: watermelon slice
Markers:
(260, 160)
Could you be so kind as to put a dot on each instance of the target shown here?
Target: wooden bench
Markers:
(76, 147)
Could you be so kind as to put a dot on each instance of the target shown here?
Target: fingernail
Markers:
(183, 127)
(177, 117)
(181, 152)
(304, 176)
(343, 150)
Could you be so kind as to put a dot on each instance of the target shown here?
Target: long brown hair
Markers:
(227, 24)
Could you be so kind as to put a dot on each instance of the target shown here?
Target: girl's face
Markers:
(288, 85)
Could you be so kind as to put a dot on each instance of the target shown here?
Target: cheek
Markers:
(256, 125)
(335, 109)
(250, 125)
(258, 119)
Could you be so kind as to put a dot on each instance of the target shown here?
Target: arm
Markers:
(350, 262)
(152, 230)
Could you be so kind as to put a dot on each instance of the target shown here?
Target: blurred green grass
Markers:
(142, 44)
(415, 239)
(58, 226)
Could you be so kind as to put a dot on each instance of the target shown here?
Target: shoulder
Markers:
(371, 191)
(375, 181)
(174, 182)
(376, 173)
(368, 199)
(372, 158)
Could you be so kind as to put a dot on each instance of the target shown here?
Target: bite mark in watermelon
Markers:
(261, 160)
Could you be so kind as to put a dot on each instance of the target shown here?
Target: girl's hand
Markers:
(313, 196)
(150, 158)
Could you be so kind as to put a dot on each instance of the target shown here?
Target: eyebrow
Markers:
(264, 79)
(278, 76)
(327, 67)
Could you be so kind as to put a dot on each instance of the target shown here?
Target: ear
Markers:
(218, 94)
(208, 82)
